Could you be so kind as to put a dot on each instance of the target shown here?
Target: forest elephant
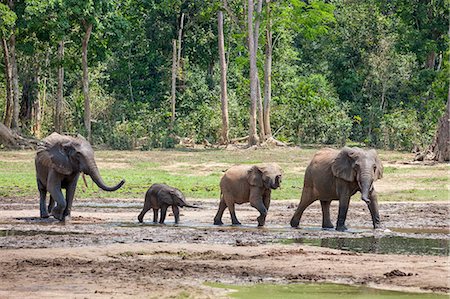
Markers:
(246, 183)
(160, 197)
(59, 161)
(337, 175)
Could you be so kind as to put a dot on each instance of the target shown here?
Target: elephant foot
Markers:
(60, 217)
(341, 228)
(327, 226)
(295, 223)
(261, 220)
(218, 222)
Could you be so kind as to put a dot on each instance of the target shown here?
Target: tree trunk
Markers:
(15, 82)
(223, 81)
(87, 102)
(36, 104)
(268, 73)
(262, 133)
(180, 35)
(60, 90)
(174, 82)
(252, 133)
(431, 60)
(440, 148)
(9, 93)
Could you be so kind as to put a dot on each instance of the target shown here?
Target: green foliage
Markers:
(7, 20)
(315, 116)
(400, 130)
(373, 72)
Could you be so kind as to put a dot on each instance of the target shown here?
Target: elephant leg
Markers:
(176, 213)
(306, 200)
(326, 220)
(145, 209)
(54, 187)
(342, 215)
(259, 205)
(51, 204)
(42, 194)
(155, 215)
(218, 217)
(163, 213)
(266, 198)
(373, 208)
(234, 219)
(70, 194)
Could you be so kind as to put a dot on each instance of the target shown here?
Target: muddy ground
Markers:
(102, 251)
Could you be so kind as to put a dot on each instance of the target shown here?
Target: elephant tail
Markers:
(193, 207)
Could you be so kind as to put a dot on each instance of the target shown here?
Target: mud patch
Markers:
(13, 233)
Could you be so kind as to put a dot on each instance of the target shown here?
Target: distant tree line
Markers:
(144, 73)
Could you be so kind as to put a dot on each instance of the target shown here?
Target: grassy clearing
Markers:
(197, 173)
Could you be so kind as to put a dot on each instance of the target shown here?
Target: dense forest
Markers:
(144, 73)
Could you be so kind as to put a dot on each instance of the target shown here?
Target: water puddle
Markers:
(13, 232)
(380, 245)
(316, 291)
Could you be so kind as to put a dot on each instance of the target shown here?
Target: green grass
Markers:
(314, 291)
(197, 173)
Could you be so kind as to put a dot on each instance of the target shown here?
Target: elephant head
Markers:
(267, 176)
(357, 165)
(68, 155)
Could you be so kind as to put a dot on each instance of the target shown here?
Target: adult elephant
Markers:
(247, 183)
(59, 161)
(337, 175)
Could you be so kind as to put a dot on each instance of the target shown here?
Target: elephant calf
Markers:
(161, 196)
(337, 175)
(246, 183)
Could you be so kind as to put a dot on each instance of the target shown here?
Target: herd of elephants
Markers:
(331, 175)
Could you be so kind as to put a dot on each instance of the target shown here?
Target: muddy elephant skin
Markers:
(337, 175)
(160, 197)
(59, 161)
(247, 183)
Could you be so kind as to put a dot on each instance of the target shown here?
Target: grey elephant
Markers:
(337, 175)
(160, 197)
(59, 161)
(246, 183)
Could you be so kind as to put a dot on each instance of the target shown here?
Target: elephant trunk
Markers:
(95, 175)
(365, 184)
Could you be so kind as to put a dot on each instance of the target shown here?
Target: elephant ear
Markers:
(165, 197)
(55, 156)
(342, 166)
(378, 164)
(254, 176)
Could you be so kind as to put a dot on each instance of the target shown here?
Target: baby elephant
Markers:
(246, 183)
(161, 196)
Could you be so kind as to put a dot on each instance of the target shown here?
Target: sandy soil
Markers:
(103, 252)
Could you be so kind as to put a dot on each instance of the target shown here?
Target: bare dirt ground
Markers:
(103, 252)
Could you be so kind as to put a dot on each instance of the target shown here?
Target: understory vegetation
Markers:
(373, 72)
